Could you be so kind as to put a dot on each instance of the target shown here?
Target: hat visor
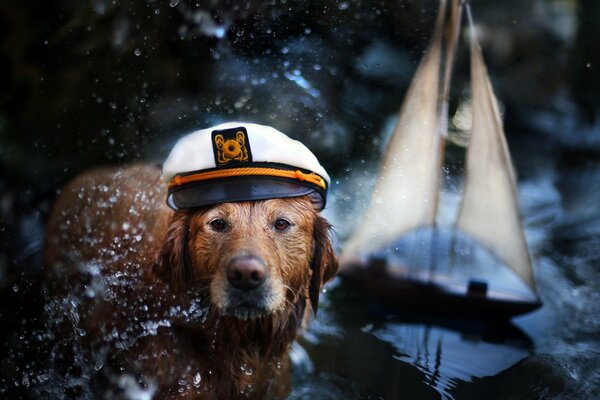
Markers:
(235, 189)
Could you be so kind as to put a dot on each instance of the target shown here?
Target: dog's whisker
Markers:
(292, 305)
(294, 292)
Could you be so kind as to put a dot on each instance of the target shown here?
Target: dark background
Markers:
(92, 82)
(97, 82)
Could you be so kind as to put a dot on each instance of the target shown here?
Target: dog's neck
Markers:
(237, 356)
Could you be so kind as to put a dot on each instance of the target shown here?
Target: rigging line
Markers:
(451, 49)
(470, 19)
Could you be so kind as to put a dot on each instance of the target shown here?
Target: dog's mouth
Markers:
(246, 311)
(248, 305)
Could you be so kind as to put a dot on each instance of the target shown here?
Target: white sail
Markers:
(489, 210)
(406, 192)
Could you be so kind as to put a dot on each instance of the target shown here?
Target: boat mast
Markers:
(452, 33)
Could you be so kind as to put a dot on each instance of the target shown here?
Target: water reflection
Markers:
(409, 355)
(457, 352)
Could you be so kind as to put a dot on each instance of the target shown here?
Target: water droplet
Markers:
(246, 369)
(343, 6)
(196, 380)
(15, 288)
(137, 52)
(98, 365)
(173, 3)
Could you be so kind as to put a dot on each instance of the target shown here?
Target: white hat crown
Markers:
(193, 152)
(243, 152)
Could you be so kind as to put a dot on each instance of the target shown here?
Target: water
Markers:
(358, 348)
(113, 82)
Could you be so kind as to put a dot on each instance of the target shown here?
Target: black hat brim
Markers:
(238, 189)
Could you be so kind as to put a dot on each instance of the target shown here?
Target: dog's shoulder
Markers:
(107, 212)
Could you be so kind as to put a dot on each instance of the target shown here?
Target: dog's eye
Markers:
(282, 224)
(218, 224)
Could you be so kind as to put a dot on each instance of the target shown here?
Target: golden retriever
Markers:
(251, 266)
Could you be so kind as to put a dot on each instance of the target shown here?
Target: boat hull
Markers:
(432, 295)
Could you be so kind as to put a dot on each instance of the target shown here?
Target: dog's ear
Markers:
(171, 265)
(324, 264)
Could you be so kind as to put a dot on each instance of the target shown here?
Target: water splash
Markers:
(298, 79)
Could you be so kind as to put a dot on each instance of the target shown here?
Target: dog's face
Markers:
(256, 258)
(254, 252)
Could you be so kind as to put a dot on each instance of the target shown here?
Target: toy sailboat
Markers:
(405, 202)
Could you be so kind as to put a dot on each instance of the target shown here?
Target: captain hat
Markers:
(238, 161)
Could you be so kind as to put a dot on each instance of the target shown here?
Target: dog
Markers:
(219, 292)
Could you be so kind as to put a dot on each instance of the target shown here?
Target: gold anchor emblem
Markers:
(231, 149)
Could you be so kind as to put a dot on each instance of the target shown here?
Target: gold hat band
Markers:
(249, 171)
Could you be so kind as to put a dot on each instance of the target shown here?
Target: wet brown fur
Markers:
(178, 256)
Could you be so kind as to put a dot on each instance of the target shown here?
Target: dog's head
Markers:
(254, 258)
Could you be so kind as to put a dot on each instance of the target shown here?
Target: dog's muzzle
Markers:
(248, 291)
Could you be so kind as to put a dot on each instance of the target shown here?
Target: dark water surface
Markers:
(98, 82)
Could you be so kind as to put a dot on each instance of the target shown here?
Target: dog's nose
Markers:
(246, 273)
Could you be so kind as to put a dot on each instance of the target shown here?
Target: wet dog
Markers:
(196, 303)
